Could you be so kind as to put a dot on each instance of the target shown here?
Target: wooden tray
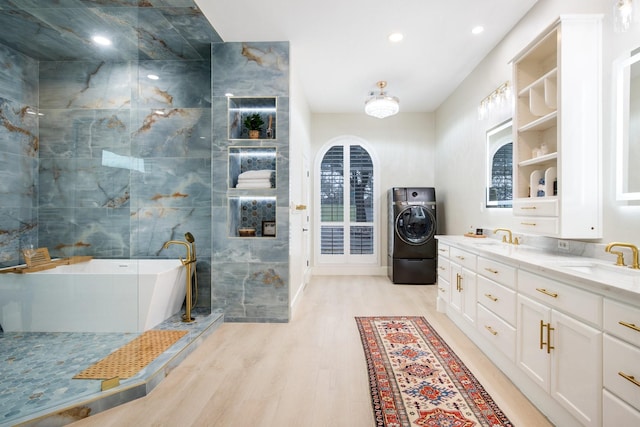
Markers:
(475, 236)
(47, 265)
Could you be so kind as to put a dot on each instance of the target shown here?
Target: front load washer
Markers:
(412, 246)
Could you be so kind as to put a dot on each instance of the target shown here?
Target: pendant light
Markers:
(381, 105)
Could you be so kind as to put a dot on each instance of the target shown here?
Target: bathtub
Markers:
(100, 295)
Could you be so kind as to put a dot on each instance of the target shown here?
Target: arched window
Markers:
(346, 201)
(500, 166)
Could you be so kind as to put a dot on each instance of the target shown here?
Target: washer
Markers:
(412, 247)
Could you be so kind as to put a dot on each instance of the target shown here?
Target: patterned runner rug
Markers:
(417, 380)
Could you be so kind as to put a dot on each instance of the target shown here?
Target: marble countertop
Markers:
(589, 273)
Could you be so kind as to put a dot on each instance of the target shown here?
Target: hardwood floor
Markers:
(309, 372)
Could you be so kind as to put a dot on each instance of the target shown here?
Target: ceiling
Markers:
(339, 48)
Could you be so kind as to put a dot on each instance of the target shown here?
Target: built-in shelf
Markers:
(252, 213)
(239, 108)
(539, 160)
(252, 168)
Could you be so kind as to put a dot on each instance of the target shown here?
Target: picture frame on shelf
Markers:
(268, 229)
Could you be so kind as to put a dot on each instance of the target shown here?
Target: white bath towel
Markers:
(253, 185)
(256, 174)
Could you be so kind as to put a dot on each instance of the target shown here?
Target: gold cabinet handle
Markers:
(458, 282)
(528, 207)
(442, 289)
(442, 250)
(441, 268)
(301, 207)
(630, 325)
(630, 378)
(546, 292)
(491, 297)
(548, 343)
(460, 257)
(491, 270)
(533, 224)
(491, 330)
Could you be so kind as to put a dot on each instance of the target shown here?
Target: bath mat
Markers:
(129, 359)
(417, 380)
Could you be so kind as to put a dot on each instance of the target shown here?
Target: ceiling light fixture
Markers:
(381, 105)
(396, 37)
(477, 30)
(101, 40)
(153, 77)
(625, 13)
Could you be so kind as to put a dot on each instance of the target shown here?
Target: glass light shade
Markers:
(382, 106)
(625, 13)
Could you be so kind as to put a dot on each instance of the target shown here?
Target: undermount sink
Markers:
(603, 272)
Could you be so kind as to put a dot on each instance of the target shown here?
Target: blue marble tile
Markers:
(93, 85)
(17, 177)
(181, 84)
(84, 133)
(159, 39)
(18, 77)
(18, 129)
(251, 69)
(180, 132)
(99, 232)
(17, 230)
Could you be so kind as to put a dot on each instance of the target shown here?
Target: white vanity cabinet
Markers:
(557, 130)
(444, 275)
(462, 266)
(559, 343)
(496, 315)
(621, 365)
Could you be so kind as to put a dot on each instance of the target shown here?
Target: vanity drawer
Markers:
(539, 225)
(497, 331)
(443, 250)
(619, 360)
(535, 207)
(498, 299)
(622, 320)
(463, 258)
(615, 412)
(497, 271)
(574, 301)
(443, 268)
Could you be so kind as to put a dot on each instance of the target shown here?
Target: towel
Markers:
(253, 185)
(256, 174)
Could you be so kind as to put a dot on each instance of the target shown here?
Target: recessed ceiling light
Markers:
(101, 40)
(477, 30)
(228, 94)
(395, 37)
(152, 77)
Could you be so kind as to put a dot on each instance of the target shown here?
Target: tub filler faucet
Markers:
(190, 259)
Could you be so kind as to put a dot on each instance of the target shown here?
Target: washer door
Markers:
(415, 225)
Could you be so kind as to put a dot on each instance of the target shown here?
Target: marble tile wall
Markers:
(250, 275)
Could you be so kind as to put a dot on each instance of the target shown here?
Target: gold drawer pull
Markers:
(491, 330)
(442, 250)
(533, 224)
(442, 290)
(546, 292)
(528, 207)
(442, 268)
(460, 257)
(491, 297)
(630, 378)
(491, 270)
(630, 325)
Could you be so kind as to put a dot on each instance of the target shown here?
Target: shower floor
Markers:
(37, 369)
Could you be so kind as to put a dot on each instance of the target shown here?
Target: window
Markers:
(500, 166)
(346, 200)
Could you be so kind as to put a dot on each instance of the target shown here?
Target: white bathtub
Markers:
(101, 295)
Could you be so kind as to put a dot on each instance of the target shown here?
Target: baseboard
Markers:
(349, 270)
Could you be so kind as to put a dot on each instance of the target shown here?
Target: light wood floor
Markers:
(309, 372)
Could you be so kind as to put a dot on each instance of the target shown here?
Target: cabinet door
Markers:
(576, 366)
(532, 351)
(455, 296)
(469, 296)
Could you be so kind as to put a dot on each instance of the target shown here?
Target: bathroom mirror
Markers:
(628, 127)
(499, 166)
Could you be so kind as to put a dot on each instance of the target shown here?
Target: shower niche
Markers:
(252, 113)
(252, 216)
(252, 168)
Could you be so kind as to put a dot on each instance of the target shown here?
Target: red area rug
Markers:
(417, 380)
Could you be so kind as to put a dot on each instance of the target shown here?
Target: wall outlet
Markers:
(563, 245)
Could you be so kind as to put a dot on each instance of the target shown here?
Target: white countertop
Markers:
(589, 273)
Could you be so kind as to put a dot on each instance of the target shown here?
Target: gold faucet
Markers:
(620, 260)
(189, 259)
(504, 238)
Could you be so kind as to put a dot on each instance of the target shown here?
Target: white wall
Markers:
(460, 135)
(404, 146)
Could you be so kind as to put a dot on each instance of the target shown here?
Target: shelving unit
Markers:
(249, 212)
(252, 168)
(240, 107)
(557, 172)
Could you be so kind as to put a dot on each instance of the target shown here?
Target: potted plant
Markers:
(253, 123)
